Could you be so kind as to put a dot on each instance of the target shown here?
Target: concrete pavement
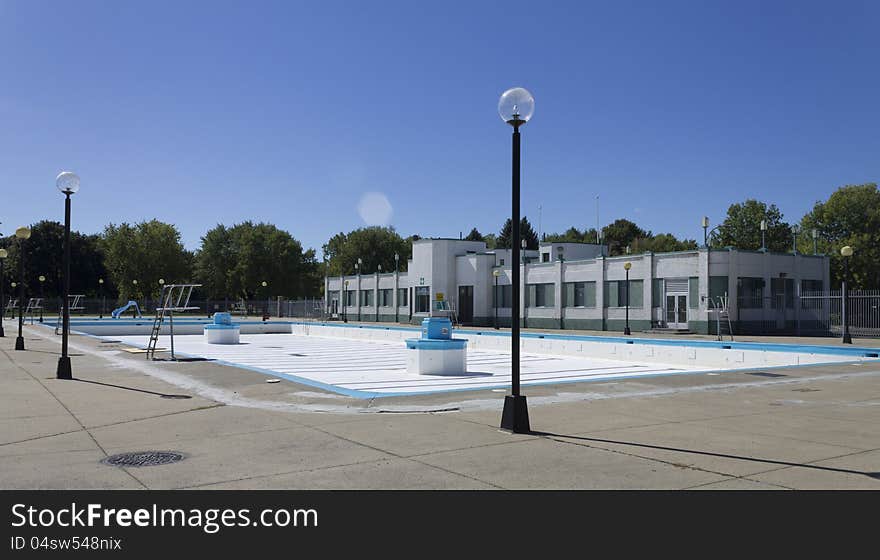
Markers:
(814, 427)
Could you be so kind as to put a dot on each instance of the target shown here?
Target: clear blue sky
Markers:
(199, 113)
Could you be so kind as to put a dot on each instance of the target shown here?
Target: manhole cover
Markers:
(143, 458)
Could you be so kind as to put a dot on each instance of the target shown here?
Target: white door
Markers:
(676, 303)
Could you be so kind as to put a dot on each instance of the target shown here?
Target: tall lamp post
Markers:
(815, 234)
(763, 235)
(496, 273)
(847, 253)
(795, 229)
(626, 267)
(68, 184)
(378, 272)
(42, 280)
(101, 297)
(21, 234)
(515, 107)
(3, 255)
(13, 291)
(705, 224)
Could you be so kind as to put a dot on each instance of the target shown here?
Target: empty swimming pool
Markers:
(370, 361)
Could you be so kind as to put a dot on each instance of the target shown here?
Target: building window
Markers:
(366, 298)
(751, 293)
(615, 293)
(401, 297)
(579, 294)
(545, 257)
(502, 296)
(501, 262)
(423, 299)
(385, 298)
(541, 295)
(349, 298)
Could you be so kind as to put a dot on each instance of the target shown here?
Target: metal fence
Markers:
(271, 308)
(823, 313)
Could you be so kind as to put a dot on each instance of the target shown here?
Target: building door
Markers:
(465, 305)
(676, 303)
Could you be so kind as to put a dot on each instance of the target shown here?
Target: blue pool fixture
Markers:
(222, 331)
(116, 313)
(436, 352)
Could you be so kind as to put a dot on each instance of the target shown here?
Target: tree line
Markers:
(235, 261)
(232, 262)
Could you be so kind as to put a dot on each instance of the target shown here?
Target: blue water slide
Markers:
(120, 310)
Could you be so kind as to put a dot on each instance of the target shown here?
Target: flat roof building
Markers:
(577, 286)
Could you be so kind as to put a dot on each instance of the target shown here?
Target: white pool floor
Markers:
(371, 368)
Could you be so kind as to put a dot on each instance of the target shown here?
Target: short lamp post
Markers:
(378, 272)
(3, 255)
(516, 107)
(22, 234)
(847, 253)
(345, 302)
(68, 184)
(14, 284)
(42, 280)
(763, 235)
(560, 255)
(263, 284)
(396, 298)
(101, 297)
(496, 273)
(705, 224)
(357, 270)
(626, 267)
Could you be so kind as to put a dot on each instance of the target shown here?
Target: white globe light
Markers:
(516, 104)
(67, 182)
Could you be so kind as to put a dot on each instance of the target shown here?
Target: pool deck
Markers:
(814, 427)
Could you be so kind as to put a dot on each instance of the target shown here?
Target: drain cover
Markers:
(765, 374)
(143, 458)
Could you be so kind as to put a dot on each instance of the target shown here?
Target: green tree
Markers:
(742, 228)
(474, 235)
(850, 216)
(145, 252)
(526, 231)
(374, 245)
(490, 240)
(667, 243)
(235, 262)
(623, 233)
(44, 256)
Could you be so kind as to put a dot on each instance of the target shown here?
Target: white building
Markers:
(577, 286)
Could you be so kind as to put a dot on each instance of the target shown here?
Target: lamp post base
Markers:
(515, 417)
(19, 343)
(64, 370)
(2, 334)
(847, 339)
(626, 331)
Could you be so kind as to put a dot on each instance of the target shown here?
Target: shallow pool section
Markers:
(369, 362)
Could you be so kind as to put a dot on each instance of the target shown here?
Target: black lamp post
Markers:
(396, 297)
(357, 270)
(847, 253)
(21, 234)
(515, 107)
(67, 183)
(42, 280)
(560, 254)
(496, 273)
(626, 267)
(101, 297)
(3, 255)
(345, 301)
